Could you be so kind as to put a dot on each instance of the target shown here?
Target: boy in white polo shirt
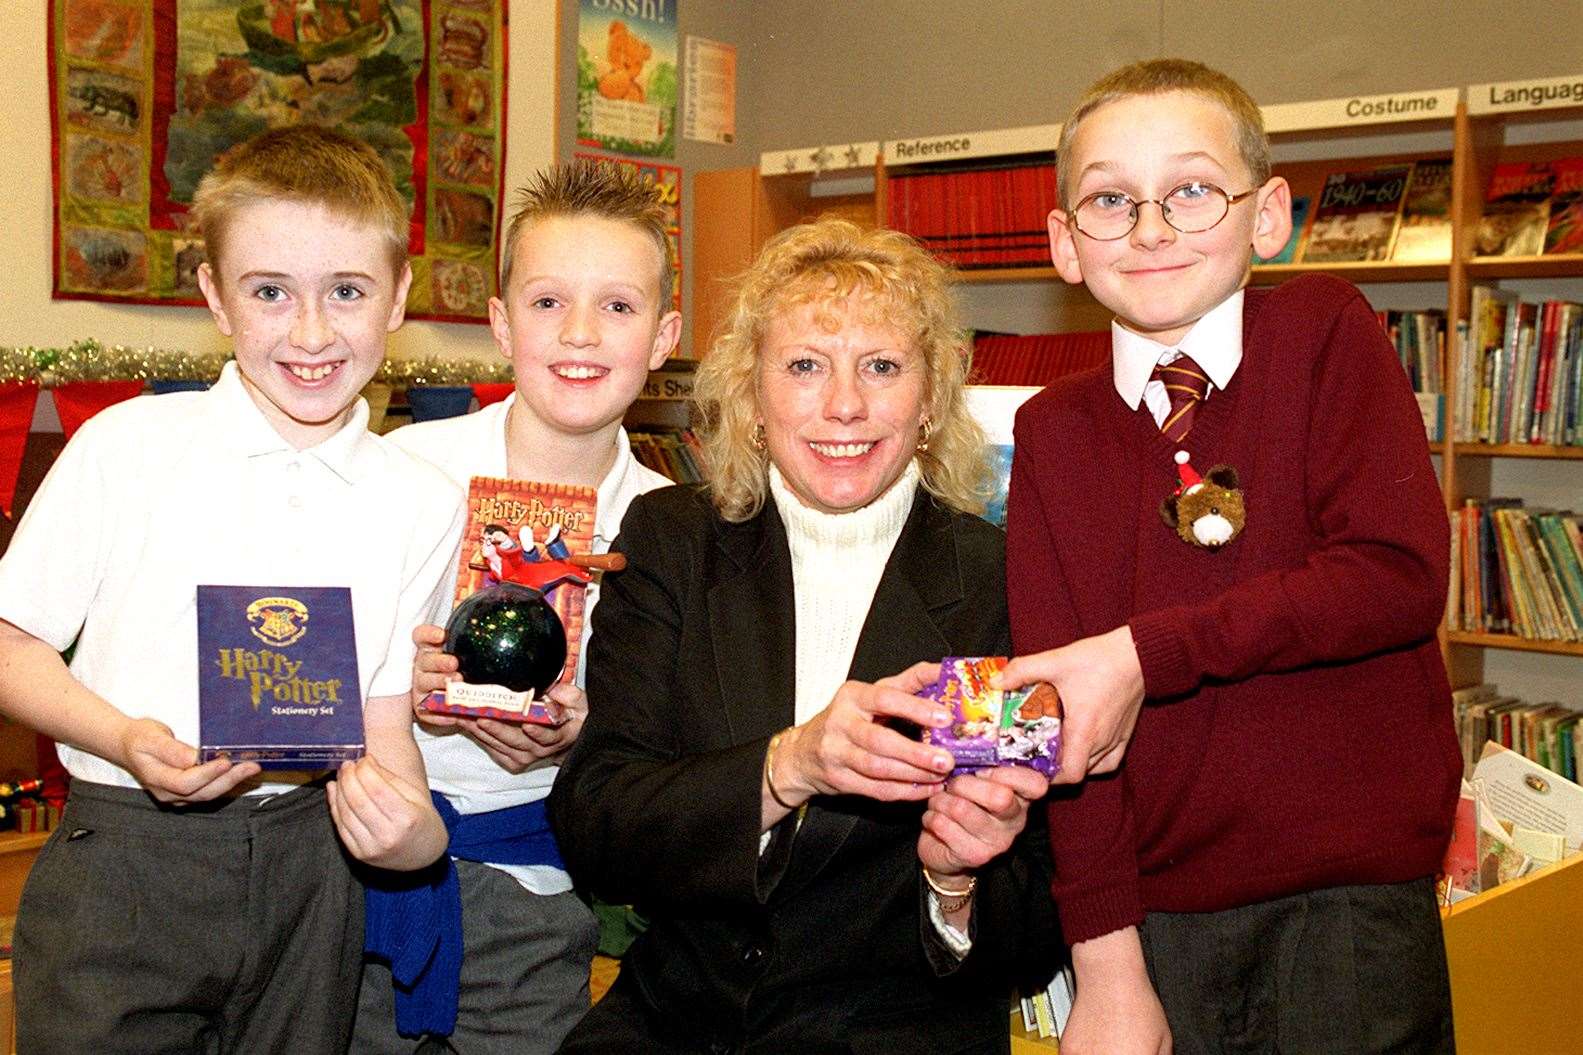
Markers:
(585, 314)
(204, 907)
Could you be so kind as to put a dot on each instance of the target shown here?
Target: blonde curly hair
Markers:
(825, 262)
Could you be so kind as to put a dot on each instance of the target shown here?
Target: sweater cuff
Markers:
(1095, 913)
(1162, 655)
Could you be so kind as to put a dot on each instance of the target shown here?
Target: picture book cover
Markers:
(277, 676)
(1425, 234)
(538, 535)
(1288, 253)
(1516, 210)
(1357, 215)
(1564, 229)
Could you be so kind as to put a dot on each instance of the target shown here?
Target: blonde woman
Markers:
(747, 775)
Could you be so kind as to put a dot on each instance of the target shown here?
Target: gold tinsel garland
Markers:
(92, 360)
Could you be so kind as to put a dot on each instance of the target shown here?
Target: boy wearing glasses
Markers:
(1261, 709)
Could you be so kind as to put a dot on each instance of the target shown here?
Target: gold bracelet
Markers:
(951, 900)
(769, 772)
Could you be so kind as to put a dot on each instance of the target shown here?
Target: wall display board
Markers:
(146, 93)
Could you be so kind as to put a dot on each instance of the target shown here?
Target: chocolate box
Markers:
(990, 727)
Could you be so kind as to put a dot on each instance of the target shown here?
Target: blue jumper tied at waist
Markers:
(413, 920)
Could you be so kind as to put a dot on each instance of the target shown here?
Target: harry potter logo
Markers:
(503, 509)
(277, 621)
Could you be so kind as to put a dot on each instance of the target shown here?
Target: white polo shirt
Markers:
(157, 495)
(475, 445)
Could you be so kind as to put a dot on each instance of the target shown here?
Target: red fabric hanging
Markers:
(17, 399)
(492, 392)
(78, 401)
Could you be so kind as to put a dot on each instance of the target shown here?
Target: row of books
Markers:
(1516, 570)
(1547, 733)
(1036, 359)
(1532, 208)
(1402, 212)
(1399, 212)
(673, 454)
(978, 218)
(1047, 1010)
(1521, 371)
(1420, 341)
(995, 216)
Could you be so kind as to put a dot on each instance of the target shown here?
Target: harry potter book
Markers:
(277, 676)
(532, 534)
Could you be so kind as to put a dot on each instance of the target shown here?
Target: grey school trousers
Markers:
(1352, 969)
(524, 974)
(230, 927)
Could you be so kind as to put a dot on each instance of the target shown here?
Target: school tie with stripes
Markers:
(1187, 386)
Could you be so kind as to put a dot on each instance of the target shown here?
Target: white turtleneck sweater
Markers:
(837, 561)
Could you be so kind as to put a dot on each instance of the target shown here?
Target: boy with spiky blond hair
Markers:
(201, 907)
(1255, 692)
(584, 314)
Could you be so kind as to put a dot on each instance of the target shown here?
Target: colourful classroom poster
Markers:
(626, 76)
(145, 94)
(667, 181)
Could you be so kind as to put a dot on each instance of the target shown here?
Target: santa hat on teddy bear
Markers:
(1190, 480)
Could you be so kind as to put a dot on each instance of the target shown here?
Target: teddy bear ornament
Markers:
(1205, 511)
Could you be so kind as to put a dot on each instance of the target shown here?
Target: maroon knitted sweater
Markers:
(1297, 731)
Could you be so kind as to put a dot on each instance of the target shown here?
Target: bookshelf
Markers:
(1487, 134)
(1471, 125)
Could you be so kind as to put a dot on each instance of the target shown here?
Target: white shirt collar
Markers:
(619, 480)
(251, 434)
(611, 489)
(1214, 343)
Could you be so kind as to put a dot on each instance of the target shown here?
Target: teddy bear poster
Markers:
(626, 76)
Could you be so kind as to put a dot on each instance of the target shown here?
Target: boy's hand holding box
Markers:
(994, 727)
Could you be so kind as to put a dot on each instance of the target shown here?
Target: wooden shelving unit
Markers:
(1382, 271)
(989, 275)
(1517, 450)
(1561, 265)
(1515, 643)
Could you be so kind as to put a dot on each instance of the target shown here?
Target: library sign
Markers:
(1433, 105)
(1544, 94)
(669, 385)
(961, 146)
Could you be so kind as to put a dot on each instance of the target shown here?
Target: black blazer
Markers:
(823, 943)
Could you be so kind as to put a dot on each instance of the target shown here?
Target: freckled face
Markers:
(308, 298)
(842, 400)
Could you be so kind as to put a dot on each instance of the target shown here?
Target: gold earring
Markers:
(759, 442)
(923, 436)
